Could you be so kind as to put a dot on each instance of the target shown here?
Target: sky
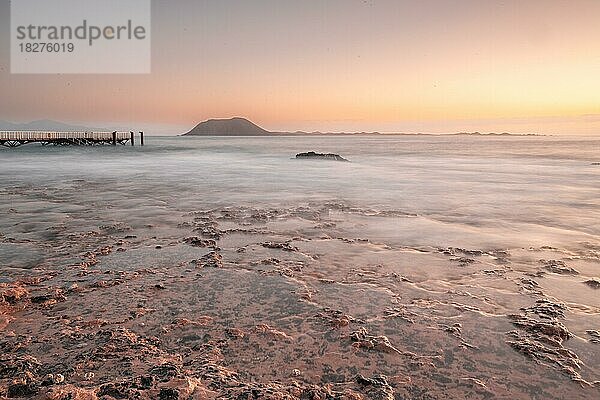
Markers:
(431, 66)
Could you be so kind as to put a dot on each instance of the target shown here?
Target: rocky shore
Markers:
(288, 303)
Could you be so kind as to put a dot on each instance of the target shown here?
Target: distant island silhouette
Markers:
(46, 125)
(238, 126)
(228, 127)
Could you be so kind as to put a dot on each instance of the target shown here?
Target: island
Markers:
(239, 126)
(228, 127)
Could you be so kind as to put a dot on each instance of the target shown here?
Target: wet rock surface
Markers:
(559, 267)
(542, 336)
(297, 302)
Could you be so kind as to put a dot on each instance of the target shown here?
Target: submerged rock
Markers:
(363, 340)
(593, 283)
(22, 388)
(321, 156)
(559, 267)
(165, 372)
(336, 318)
(199, 242)
(541, 335)
(539, 348)
(377, 387)
(547, 309)
(210, 260)
(49, 299)
(168, 394)
(14, 366)
(12, 294)
(554, 331)
(285, 246)
(272, 332)
(595, 336)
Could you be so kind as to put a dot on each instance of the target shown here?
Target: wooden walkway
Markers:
(19, 138)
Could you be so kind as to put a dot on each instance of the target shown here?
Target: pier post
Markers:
(114, 138)
(141, 138)
(132, 138)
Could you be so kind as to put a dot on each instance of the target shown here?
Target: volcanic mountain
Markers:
(227, 127)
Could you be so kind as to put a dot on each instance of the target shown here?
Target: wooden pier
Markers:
(19, 138)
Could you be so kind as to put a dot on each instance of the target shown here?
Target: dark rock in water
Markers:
(282, 246)
(199, 242)
(321, 156)
(168, 394)
(22, 389)
(378, 380)
(540, 335)
(363, 340)
(14, 366)
(547, 309)
(210, 260)
(377, 387)
(117, 391)
(593, 283)
(595, 336)
(559, 267)
(166, 371)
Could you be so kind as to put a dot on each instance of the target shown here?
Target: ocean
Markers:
(427, 267)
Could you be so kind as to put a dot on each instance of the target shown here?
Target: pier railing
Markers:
(19, 138)
(38, 136)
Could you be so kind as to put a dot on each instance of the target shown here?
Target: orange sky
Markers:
(342, 65)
